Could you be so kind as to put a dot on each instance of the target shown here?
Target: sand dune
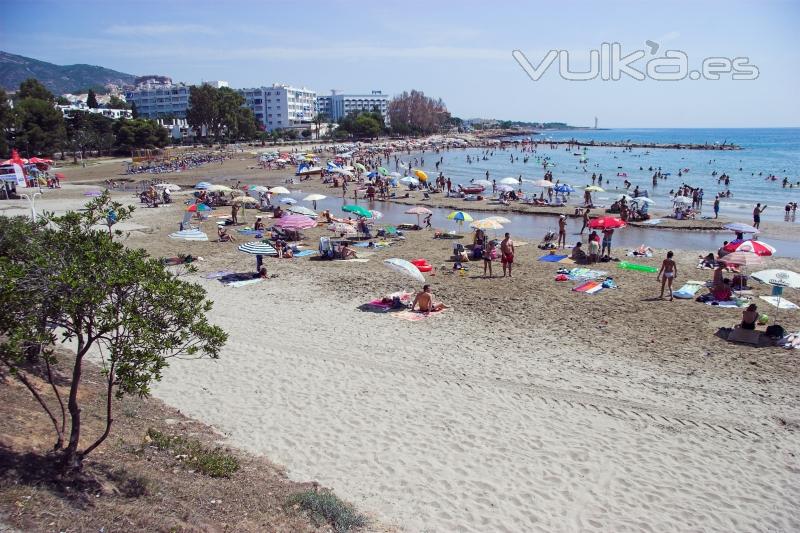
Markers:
(427, 432)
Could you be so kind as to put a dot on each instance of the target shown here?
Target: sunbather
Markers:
(578, 255)
(425, 302)
(223, 235)
(347, 252)
(749, 317)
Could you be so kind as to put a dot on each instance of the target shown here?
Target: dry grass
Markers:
(158, 471)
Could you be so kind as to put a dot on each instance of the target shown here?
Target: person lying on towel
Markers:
(424, 300)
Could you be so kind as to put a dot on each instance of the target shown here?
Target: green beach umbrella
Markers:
(357, 210)
(360, 167)
(383, 171)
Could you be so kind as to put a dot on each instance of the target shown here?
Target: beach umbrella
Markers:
(279, 190)
(257, 188)
(509, 181)
(486, 223)
(421, 175)
(376, 215)
(483, 183)
(505, 188)
(258, 248)
(218, 188)
(342, 228)
(625, 197)
(749, 245)
(460, 217)
(170, 186)
(740, 227)
(777, 277)
(395, 174)
(189, 235)
(743, 258)
(682, 200)
(408, 180)
(603, 223)
(404, 267)
(342, 172)
(502, 220)
(419, 211)
(314, 197)
(290, 201)
(295, 222)
(594, 188)
(383, 171)
(543, 183)
(357, 210)
(360, 167)
(198, 208)
(202, 185)
(300, 210)
(244, 200)
(563, 188)
(643, 200)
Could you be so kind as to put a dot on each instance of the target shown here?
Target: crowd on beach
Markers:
(176, 164)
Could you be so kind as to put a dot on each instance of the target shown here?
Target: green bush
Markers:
(325, 506)
(210, 462)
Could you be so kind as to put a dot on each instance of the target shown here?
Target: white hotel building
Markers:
(337, 106)
(281, 106)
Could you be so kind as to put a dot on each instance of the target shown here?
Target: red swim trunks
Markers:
(507, 259)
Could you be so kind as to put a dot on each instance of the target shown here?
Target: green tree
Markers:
(6, 123)
(32, 88)
(114, 102)
(417, 114)
(203, 112)
(61, 100)
(91, 100)
(134, 111)
(61, 281)
(319, 119)
(39, 127)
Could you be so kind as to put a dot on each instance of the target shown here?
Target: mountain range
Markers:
(58, 79)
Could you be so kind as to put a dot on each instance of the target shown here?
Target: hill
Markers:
(58, 79)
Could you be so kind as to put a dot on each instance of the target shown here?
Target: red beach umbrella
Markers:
(602, 223)
(757, 247)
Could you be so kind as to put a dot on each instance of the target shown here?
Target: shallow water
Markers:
(531, 228)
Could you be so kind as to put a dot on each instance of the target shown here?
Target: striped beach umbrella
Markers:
(189, 235)
(300, 210)
(295, 222)
(757, 247)
(257, 248)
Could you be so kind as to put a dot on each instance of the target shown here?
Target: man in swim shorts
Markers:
(507, 254)
(424, 300)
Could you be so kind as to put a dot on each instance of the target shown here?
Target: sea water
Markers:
(764, 152)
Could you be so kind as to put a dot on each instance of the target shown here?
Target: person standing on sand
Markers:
(757, 210)
(488, 256)
(562, 231)
(507, 254)
(606, 245)
(235, 214)
(668, 272)
(585, 220)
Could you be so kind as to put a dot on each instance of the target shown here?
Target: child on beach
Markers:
(668, 272)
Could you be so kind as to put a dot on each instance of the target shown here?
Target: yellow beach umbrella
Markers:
(486, 223)
(421, 175)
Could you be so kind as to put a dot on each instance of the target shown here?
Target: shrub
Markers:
(325, 506)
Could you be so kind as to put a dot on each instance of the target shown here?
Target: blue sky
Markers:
(459, 51)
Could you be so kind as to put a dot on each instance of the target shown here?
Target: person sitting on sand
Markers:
(262, 272)
(425, 302)
(277, 213)
(578, 255)
(259, 225)
(347, 252)
(223, 235)
(749, 317)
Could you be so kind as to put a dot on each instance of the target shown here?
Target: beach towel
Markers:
(585, 274)
(725, 303)
(552, 258)
(589, 287)
(689, 289)
(783, 304)
(304, 253)
(250, 231)
(354, 260)
(415, 316)
(218, 274)
(243, 282)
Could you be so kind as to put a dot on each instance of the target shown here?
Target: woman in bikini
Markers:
(667, 274)
(750, 317)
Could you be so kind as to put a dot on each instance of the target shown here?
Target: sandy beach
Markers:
(525, 406)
